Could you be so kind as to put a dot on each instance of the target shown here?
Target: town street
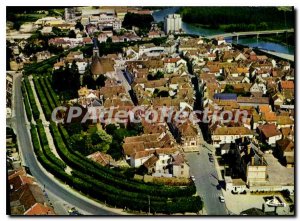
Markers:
(42, 177)
(206, 181)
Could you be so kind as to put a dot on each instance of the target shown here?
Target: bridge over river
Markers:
(249, 33)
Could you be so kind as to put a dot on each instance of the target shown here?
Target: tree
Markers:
(137, 20)
(109, 40)
(72, 34)
(74, 128)
(100, 81)
(100, 136)
(163, 94)
(111, 128)
(88, 79)
(79, 26)
(228, 89)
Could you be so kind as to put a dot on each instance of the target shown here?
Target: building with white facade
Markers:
(172, 23)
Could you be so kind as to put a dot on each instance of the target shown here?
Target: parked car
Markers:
(210, 155)
(193, 178)
(219, 187)
(211, 159)
(222, 199)
(74, 212)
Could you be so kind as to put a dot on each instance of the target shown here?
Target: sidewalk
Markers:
(46, 125)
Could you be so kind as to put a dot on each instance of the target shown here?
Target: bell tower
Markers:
(95, 48)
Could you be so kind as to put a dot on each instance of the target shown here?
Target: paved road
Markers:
(29, 160)
(206, 181)
(289, 57)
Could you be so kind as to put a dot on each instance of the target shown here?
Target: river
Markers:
(248, 41)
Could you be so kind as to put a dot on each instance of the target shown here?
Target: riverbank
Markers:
(273, 38)
(206, 30)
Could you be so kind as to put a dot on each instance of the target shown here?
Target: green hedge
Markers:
(135, 201)
(110, 190)
(111, 177)
(45, 146)
(26, 103)
(35, 110)
(46, 93)
(52, 92)
(52, 168)
(42, 98)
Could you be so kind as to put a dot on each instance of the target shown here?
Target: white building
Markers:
(172, 23)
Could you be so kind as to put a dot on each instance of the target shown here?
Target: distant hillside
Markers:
(239, 18)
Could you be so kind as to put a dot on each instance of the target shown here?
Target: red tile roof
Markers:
(287, 84)
(39, 209)
(269, 130)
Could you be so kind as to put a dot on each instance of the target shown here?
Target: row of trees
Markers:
(216, 16)
(35, 111)
(47, 109)
(110, 177)
(26, 103)
(45, 146)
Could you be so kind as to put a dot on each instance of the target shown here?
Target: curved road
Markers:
(31, 161)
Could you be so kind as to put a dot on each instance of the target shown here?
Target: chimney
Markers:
(248, 149)
(252, 161)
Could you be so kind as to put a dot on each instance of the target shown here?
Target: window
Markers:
(182, 166)
(181, 172)
(163, 161)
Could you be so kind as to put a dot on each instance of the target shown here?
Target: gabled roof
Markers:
(232, 131)
(284, 120)
(286, 145)
(39, 209)
(151, 161)
(269, 130)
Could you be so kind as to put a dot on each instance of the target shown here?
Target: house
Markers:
(222, 135)
(285, 151)
(225, 148)
(158, 164)
(252, 101)
(179, 167)
(40, 209)
(278, 100)
(284, 121)
(258, 87)
(234, 185)
(188, 134)
(102, 158)
(219, 40)
(26, 197)
(172, 64)
(286, 85)
(143, 142)
(269, 117)
(287, 132)
(256, 171)
(269, 134)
